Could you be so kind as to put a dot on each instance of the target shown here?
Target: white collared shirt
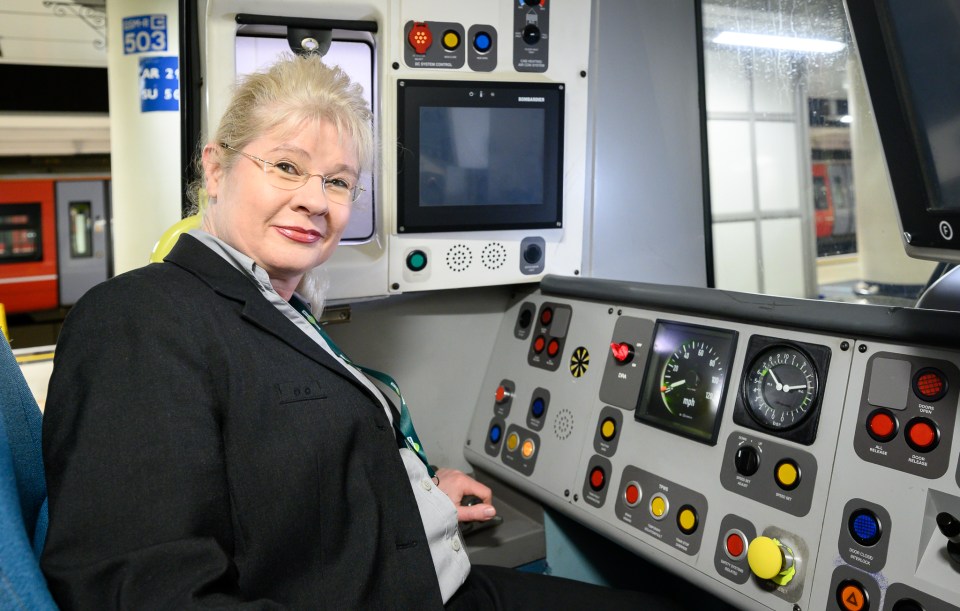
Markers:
(437, 512)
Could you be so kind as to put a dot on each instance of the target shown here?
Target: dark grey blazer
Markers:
(201, 450)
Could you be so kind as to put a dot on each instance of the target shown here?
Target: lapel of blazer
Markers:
(188, 253)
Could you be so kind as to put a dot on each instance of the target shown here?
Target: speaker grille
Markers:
(563, 424)
(459, 257)
(494, 255)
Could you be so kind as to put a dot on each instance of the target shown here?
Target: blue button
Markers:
(865, 527)
(538, 407)
(495, 433)
(482, 42)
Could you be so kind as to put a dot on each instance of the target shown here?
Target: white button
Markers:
(455, 544)
(427, 484)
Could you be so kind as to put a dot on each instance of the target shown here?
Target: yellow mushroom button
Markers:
(687, 519)
(528, 448)
(451, 40)
(608, 428)
(513, 440)
(765, 557)
(787, 474)
(658, 506)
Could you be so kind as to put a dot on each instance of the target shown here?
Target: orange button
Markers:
(852, 597)
(528, 448)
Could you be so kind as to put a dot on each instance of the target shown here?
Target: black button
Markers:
(532, 254)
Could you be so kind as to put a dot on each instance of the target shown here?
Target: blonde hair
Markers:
(295, 89)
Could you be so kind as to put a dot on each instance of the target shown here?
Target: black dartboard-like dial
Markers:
(781, 387)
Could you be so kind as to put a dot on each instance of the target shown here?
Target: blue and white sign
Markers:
(144, 34)
(159, 83)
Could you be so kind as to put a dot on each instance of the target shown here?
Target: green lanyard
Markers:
(405, 426)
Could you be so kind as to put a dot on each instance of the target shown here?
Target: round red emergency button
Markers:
(539, 344)
(597, 478)
(553, 347)
(882, 425)
(922, 434)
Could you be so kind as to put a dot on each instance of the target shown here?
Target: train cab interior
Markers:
(673, 277)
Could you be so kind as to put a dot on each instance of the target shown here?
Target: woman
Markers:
(204, 444)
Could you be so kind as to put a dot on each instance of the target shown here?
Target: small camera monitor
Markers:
(479, 156)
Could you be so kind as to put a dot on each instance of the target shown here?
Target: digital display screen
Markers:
(686, 379)
(481, 156)
(477, 156)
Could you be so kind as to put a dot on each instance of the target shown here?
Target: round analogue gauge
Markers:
(781, 387)
(692, 380)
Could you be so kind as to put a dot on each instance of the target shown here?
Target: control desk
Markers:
(779, 453)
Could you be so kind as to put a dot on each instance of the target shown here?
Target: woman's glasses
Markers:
(288, 176)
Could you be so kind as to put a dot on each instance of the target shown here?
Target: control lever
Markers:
(950, 528)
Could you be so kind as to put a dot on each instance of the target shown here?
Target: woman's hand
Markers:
(457, 485)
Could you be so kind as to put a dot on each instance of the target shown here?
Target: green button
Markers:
(416, 260)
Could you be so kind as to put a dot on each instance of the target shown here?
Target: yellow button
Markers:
(451, 40)
(608, 429)
(687, 520)
(787, 474)
(528, 448)
(658, 506)
(513, 440)
(765, 557)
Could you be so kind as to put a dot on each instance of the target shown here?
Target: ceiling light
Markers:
(784, 43)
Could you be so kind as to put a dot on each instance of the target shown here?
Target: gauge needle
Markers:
(792, 388)
(675, 384)
(775, 380)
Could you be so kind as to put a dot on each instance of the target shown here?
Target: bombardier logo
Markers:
(530, 99)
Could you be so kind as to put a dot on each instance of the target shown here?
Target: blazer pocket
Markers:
(296, 392)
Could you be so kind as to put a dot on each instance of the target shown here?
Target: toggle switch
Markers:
(622, 352)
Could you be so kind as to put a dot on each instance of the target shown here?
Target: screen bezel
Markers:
(412, 95)
(905, 145)
(649, 391)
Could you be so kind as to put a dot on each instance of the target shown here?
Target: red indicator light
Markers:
(553, 348)
(930, 385)
(622, 352)
(735, 545)
(546, 316)
(420, 37)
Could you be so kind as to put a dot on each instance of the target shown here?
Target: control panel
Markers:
(781, 454)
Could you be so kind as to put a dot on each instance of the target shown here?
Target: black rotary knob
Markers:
(747, 460)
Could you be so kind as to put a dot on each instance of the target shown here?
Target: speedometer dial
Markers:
(692, 380)
(781, 387)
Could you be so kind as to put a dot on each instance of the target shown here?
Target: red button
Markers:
(921, 434)
(735, 545)
(546, 316)
(597, 478)
(502, 394)
(632, 494)
(538, 344)
(553, 348)
(881, 425)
